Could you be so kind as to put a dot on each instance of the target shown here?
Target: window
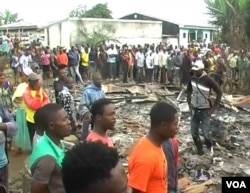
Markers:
(205, 36)
(184, 35)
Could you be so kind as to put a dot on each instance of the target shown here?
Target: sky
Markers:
(179, 11)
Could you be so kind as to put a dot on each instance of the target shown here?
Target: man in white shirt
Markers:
(140, 58)
(112, 60)
(24, 60)
(163, 56)
(156, 65)
(150, 67)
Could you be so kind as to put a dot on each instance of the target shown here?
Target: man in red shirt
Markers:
(104, 118)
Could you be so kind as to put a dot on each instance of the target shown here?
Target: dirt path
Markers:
(16, 164)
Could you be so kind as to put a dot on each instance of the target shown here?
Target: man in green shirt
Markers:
(46, 158)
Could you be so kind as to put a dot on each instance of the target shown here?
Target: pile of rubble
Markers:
(229, 129)
(198, 173)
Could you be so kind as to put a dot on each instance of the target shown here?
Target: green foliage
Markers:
(97, 35)
(98, 11)
(7, 17)
(230, 16)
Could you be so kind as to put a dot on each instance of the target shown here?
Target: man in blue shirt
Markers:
(90, 94)
(8, 128)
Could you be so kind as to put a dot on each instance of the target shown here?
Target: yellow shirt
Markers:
(85, 59)
(212, 64)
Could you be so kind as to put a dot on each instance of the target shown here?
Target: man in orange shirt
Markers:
(62, 59)
(147, 163)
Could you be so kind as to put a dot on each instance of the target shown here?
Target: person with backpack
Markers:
(200, 105)
(8, 129)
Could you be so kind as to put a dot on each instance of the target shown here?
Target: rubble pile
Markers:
(229, 129)
(197, 173)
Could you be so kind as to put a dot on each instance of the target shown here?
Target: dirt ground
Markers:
(16, 164)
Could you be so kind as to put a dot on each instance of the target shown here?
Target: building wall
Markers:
(54, 35)
(69, 33)
(207, 36)
(168, 28)
(183, 37)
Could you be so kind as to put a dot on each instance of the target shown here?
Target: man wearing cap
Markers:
(200, 104)
(34, 97)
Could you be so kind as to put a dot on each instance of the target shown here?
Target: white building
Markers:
(177, 34)
(188, 33)
(69, 31)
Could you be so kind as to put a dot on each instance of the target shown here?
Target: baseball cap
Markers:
(34, 66)
(33, 76)
(27, 71)
(198, 65)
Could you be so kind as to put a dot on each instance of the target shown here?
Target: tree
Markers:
(7, 17)
(230, 16)
(100, 10)
(96, 35)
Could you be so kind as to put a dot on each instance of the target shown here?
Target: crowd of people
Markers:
(156, 63)
(40, 125)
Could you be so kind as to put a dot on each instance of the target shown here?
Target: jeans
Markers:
(156, 73)
(201, 120)
(170, 75)
(112, 70)
(92, 69)
(125, 73)
(74, 71)
(139, 72)
(150, 74)
(163, 75)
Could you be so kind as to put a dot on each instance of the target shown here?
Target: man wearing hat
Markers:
(200, 104)
(34, 97)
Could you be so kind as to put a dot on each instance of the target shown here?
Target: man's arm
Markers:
(41, 173)
(213, 85)
(10, 126)
(21, 62)
(67, 59)
(32, 103)
(189, 92)
(83, 108)
(45, 98)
